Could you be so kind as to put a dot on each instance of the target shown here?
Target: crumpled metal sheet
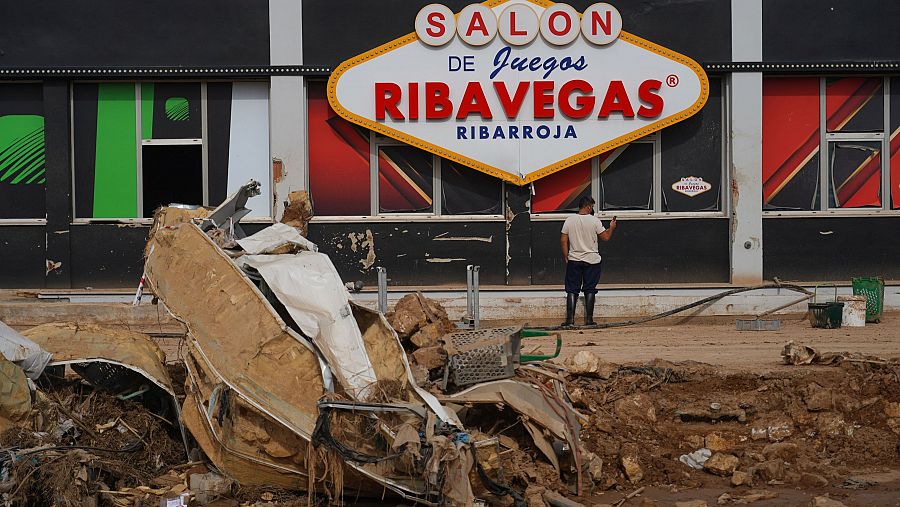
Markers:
(25, 353)
(84, 343)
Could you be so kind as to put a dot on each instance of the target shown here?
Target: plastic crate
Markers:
(873, 289)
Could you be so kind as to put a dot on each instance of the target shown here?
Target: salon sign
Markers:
(518, 89)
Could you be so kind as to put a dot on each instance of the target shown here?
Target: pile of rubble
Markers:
(287, 383)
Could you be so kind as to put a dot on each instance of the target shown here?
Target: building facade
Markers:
(108, 110)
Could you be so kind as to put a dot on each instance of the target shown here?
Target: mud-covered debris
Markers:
(589, 364)
(298, 211)
(719, 441)
(892, 410)
(812, 480)
(636, 409)
(772, 470)
(721, 463)
(824, 501)
(631, 465)
(782, 450)
(692, 503)
(797, 354)
(554, 499)
(693, 413)
(210, 486)
(754, 495)
(739, 478)
(696, 459)
(15, 396)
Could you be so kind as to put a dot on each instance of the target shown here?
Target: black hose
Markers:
(680, 309)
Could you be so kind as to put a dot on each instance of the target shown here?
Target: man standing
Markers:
(579, 246)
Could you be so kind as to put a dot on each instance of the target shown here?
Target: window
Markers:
(823, 144)
(22, 171)
(138, 146)
(677, 170)
(354, 172)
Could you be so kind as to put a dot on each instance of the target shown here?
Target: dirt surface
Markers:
(717, 342)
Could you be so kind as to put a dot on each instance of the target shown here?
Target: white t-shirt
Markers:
(582, 231)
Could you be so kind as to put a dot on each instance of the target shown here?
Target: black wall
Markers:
(364, 25)
(643, 251)
(22, 256)
(132, 33)
(404, 249)
(836, 249)
(832, 31)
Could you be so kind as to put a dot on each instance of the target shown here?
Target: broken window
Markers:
(626, 178)
(22, 171)
(468, 192)
(139, 145)
(405, 180)
(854, 174)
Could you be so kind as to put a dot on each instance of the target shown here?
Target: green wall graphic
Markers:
(22, 149)
(115, 176)
(177, 109)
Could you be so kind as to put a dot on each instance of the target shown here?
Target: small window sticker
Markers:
(691, 186)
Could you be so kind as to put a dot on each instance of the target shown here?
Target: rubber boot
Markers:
(571, 299)
(589, 309)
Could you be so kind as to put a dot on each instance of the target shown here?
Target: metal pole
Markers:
(469, 300)
(382, 290)
(476, 306)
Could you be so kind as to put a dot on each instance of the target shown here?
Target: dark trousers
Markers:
(582, 277)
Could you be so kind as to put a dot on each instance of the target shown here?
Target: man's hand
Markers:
(607, 234)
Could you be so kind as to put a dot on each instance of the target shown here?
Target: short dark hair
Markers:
(585, 201)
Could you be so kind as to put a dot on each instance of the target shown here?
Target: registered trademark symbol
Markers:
(672, 80)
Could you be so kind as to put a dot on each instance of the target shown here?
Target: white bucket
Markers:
(854, 314)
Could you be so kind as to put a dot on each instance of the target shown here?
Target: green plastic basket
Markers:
(825, 315)
(873, 289)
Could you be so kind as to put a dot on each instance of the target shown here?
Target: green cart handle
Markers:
(530, 358)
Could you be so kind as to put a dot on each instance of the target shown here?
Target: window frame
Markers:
(826, 138)
(29, 221)
(140, 143)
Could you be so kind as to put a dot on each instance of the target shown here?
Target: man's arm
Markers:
(564, 241)
(608, 233)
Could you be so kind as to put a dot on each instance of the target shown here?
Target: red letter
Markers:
(477, 23)
(512, 25)
(413, 99)
(647, 95)
(585, 102)
(387, 95)
(543, 96)
(616, 100)
(511, 106)
(552, 22)
(473, 101)
(595, 20)
(433, 19)
(437, 101)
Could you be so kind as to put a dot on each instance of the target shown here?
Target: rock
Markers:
(722, 441)
(824, 501)
(589, 364)
(739, 478)
(428, 335)
(831, 423)
(635, 408)
(420, 374)
(594, 466)
(794, 353)
(628, 458)
(772, 470)
(694, 441)
(783, 450)
(430, 357)
(812, 480)
(721, 464)
(209, 486)
(892, 410)
(759, 433)
(534, 496)
(692, 503)
(817, 398)
(894, 424)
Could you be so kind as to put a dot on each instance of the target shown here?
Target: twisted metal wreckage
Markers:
(289, 382)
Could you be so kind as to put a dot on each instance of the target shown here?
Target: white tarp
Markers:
(273, 237)
(25, 353)
(309, 287)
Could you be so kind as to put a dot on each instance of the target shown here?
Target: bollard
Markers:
(382, 290)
